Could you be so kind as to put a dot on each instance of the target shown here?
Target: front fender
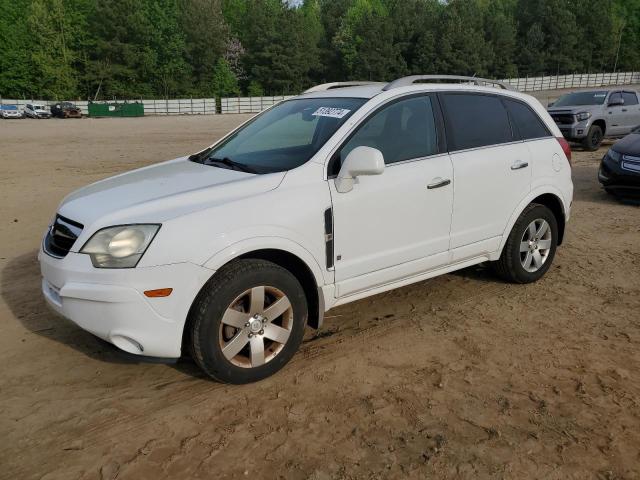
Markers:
(243, 247)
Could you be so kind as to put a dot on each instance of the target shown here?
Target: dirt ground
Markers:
(461, 376)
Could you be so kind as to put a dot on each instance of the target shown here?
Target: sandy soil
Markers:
(461, 376)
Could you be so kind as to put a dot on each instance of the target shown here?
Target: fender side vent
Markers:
(328, 236)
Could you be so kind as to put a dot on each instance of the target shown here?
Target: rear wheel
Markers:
(531, 246)
(248, 321)
(593, 139)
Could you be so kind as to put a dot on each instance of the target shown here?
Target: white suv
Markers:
(340, 193)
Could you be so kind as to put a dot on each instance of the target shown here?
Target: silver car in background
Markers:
(34, 110)
(10, 111)
(587, 117)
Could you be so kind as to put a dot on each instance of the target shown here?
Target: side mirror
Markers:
(550, 104)
(360, 161)
(616, 102)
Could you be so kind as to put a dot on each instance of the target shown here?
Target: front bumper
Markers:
(576, 131)
(622, 181)
(110, 303)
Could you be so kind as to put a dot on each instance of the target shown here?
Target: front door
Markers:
(394, 225)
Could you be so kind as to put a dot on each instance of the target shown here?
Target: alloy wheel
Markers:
(256, 326)
(535, 245)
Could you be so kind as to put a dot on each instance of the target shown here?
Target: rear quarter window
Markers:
(526, 123)
(475, 120)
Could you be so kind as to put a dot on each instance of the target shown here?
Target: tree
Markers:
(16, 44)
(461, 45)
(224, 82)
(206, 37)
(55, 27)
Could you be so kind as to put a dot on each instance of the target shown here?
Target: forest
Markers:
(101, 49)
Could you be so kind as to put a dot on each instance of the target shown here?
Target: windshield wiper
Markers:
(230, 164)
(200, 156)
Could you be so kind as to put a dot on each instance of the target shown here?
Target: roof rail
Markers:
(410, 80)
(331, 86)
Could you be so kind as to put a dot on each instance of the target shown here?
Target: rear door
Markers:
(631, 110)
(492, 172)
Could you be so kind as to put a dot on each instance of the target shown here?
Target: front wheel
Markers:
(248, 321)
(593, 139)
(531, 246)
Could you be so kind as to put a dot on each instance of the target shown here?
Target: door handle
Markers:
(439, 182)
(624, 109)
(519, 164)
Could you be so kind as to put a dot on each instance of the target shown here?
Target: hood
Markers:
(629, 145)
(159, 192)
(575, 109)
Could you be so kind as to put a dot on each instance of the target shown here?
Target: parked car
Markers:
(66, 110)
(33, 110)
(590, 116)
(619, 171)
(10, 111)
(327, 198)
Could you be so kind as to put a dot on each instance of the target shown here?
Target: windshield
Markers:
(581, 98)
(282, 138)
(8, 107)
(38, 107)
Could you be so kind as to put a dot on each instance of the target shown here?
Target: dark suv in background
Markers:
(619, 171)
(588, 117)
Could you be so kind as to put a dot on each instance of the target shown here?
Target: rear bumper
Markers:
(110, 303)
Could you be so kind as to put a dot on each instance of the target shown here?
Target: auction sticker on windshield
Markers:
(330, 112)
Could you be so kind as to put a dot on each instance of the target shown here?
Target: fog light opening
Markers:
(127, 344)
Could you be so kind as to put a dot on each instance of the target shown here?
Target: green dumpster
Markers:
(116, 109)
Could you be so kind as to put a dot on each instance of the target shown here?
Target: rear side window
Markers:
(475, 121)
(527, 125)
(630, 98)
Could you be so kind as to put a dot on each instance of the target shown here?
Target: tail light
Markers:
(565, 148)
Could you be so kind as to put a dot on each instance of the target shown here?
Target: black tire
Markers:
(211, 304)
(509, 266)
(593, 139)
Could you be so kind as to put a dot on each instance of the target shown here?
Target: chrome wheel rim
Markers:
(255, 327)
(535, 245)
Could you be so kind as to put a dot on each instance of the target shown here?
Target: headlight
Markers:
(582, 116)
(119, 247)
(613, 155)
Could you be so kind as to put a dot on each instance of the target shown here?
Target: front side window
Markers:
(578, 99)
(525, 121)
(615, 98)
(475, 120)
(404, 130)
(630, 98)
(282, 138)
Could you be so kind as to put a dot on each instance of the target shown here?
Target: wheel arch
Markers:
(286, 254)
(297, 266)
(554, 204)
(547, 196)
(600, 122)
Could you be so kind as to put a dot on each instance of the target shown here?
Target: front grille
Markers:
(563, 119)
(61, 236)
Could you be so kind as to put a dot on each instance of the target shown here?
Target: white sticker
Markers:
(598, 95)
(330, 112)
